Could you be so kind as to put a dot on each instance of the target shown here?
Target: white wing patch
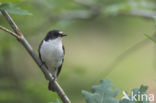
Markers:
(60, 32)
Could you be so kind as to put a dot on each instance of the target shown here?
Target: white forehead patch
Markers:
(60, 32)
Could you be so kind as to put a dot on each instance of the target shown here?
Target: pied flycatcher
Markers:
(51, 52)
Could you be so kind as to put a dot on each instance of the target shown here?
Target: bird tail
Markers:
(50, 87)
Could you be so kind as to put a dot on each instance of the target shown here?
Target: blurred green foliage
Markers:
(137, 92)
(102, 93)
(13, 10)
(149, 37)
(6, 1)
(38, 92)
(105, 92)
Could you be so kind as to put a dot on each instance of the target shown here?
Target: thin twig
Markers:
(29, 49)
(9, 31)
(11, 22)
(121, 57)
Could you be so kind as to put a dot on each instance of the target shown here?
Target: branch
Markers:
(112, 66)
(144, 14)
(29, 49)
(123, 55)
(9, 31)
(85, 4)
(96, 10)
(11, 22)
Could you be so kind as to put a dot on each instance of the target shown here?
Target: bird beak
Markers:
(62, 35)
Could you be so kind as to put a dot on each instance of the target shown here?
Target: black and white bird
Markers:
(51, 52)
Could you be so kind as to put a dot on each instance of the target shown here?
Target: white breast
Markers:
(52, 53)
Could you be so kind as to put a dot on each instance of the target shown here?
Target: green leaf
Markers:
(6, 1)
(102, 93)
(57, 101)
(10, 8)
(143, 88)
(106, 93)
(138, 92)
(149, 37)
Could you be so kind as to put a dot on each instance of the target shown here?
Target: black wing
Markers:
(59, 68)
(39, 50)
